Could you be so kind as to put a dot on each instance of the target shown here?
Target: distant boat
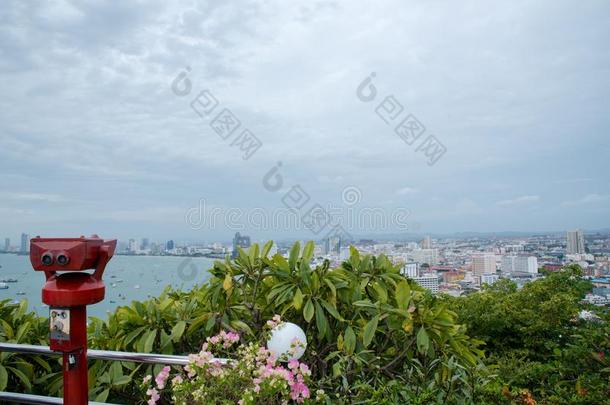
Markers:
(3, 286)
(9, 280)
(119, 280)
(113, 284)
(137, 286)
(112, 301)
(21, 293)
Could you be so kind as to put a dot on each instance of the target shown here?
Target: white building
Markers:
(527, 264)
(428, 281)
(489, 278)
(429, 256)
(575, 242)
(484, 263)
(520, 264)
(133, 246)
(410, 269)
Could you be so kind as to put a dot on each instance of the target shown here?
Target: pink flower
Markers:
(293, 364)
(154, 396)
(147, 379)
(271, 360)
(177, 380)
(305, 369)
(162, 377)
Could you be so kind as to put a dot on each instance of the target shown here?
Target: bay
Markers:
(127, 278)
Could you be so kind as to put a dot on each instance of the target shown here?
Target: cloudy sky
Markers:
(94, 139)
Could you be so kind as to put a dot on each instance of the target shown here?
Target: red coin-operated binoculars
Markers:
(67, 291)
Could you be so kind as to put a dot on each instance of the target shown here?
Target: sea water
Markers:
(127, 278)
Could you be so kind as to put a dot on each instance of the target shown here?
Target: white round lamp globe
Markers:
(287, 342)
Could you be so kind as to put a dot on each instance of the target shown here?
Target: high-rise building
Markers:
(410, 269)
(575, 242)
(429, 256)
(169, 245)
(326, 249)
(240, 241)
(145, 243)
(426, 243)
(133, 246)
(484, 263)
(507, 264)
(7, 244)
(25, 243)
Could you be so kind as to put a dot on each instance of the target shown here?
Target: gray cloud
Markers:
(517, 92)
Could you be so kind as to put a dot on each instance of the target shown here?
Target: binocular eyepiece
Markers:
(48, 259)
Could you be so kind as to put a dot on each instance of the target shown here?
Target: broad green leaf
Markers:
(103, 396)
(227, 284)
(321, 321)
(308, 251)
(382, 294)
(240, 326)
(8, 330)
(297, 301)
(116, 371)
(349, 341)
(197, 323)
(21, 376)
(150, 340)
(354, 255)
(253, 252)
(308, 311)
(294, 255)
(331, 310)
(122, 380)
(337, 369)
(403, 295)
(423, 341)
(332, 287)
(267, 249)
(178, 330)
(369, 330)
(3, 378)
(210, 323)
(281, 263)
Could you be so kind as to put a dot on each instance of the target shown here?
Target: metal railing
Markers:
(148, 358)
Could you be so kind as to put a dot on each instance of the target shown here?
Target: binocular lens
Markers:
(47, 259)
(62, 260)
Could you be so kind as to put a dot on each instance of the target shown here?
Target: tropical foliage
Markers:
(536, 342)
(373, 335)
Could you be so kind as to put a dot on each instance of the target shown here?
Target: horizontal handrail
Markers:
(149, 358)
(35, 399)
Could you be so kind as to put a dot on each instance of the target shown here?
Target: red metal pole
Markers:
(76, 388)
